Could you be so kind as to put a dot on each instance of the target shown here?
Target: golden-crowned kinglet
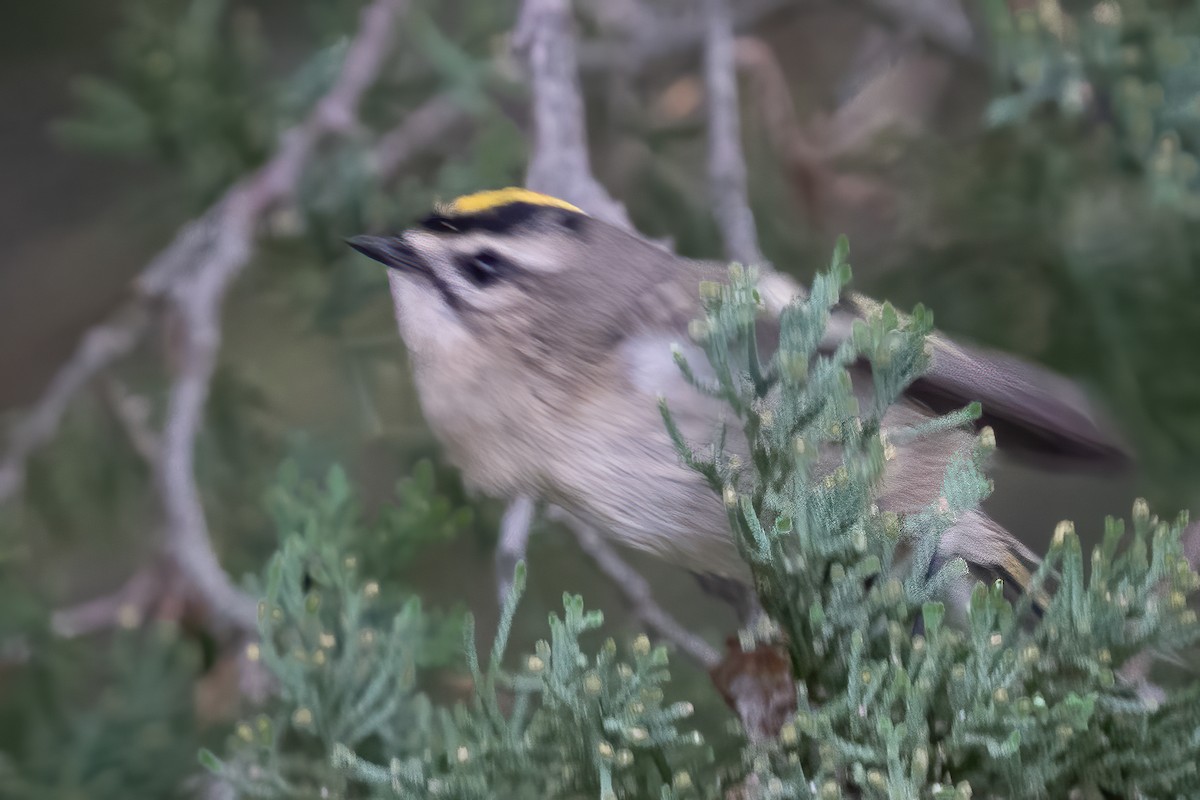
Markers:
(541, 339)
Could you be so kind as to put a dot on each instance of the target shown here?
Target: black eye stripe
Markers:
(485, 267)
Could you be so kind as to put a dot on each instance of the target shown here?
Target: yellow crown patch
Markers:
(495, 198)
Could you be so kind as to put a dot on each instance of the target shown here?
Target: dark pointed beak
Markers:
(391, 251)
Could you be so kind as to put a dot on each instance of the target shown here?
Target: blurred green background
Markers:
(1033, 182)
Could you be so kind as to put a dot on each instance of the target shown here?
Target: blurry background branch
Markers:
(99, 347)
(638, 34)
(726, 158)
(191, 276)
(940, 23)
(558, 162)
(196, 300)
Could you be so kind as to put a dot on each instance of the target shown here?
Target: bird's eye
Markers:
(484, 268)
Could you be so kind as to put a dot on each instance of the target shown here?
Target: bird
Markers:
(541, 340)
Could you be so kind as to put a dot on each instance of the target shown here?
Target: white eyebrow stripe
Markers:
(536, 253)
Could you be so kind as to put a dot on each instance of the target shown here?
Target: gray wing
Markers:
(1033, 411)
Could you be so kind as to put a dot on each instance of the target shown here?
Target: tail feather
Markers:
(992, 554)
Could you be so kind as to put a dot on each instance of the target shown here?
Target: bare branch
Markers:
(197, 301)
(559, 163)
(941, 23)
(100, 347)
(127, 607)
(191, 275)
(637, 591)
(726, 161)
(514, 538)
(653, 37)
(132, 414)
(423, 128)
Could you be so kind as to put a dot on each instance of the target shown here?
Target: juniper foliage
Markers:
(1005, 704)
(1084, 174)
(350, 723)
(124, 729)
(1010, 704)
(893, 699)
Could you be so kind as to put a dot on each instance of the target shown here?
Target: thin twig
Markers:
(422, 129)
(654, 37)
(127, 607)
(132, 414)
(726, 160)
(197, 301)
(942, 24)
(192, 275)
(637, 591)
(514, 539)
(559, 163)
(99, 348)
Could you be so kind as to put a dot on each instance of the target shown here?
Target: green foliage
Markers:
(893, 698)
(346, 674)
(571, 725)
(121, 723)
(892, 701)
(188, 90)
(1131, 67)
(129, 731)
(1086, 177)
(339, 543)
(576, 725)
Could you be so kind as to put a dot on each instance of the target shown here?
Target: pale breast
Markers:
(618, 468)
(492, 426)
